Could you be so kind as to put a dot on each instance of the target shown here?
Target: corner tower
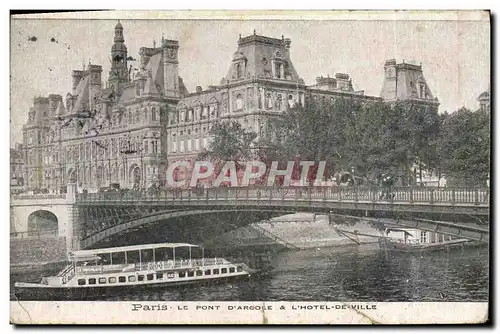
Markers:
(405, 82)
(118, 75)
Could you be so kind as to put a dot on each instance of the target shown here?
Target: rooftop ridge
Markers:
(261, 39)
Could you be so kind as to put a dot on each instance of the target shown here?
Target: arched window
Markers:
(238, 71)
(239, 102)
(153, 115)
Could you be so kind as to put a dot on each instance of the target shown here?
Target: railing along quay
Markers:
(428, 195)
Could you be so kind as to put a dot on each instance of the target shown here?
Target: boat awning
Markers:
(93, 252)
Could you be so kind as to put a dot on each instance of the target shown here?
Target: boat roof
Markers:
(84, 257)
(90, 252)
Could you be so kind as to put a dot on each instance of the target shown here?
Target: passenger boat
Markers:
(414, 240)
(150, 265)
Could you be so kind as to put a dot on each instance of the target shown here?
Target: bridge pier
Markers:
(73, 224)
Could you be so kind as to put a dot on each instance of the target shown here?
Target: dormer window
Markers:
(238, 71)
(239, 61)
(422, 91)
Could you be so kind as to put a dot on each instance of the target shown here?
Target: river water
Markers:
(347, 273)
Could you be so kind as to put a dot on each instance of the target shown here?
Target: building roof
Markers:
(127, 94)
(82, 90)
(154, 82)
(484, 95)
(256, 53)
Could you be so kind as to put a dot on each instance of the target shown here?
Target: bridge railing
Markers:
(39, 196)
(348, 194)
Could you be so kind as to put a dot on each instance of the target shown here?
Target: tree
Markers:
(229, 142)
(464, 147)
(321, 130)
(370, 138)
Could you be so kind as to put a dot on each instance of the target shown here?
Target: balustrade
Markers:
(344, 194)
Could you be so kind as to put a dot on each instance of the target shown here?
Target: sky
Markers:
(455, 55)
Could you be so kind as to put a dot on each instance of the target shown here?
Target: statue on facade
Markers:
(269, 101)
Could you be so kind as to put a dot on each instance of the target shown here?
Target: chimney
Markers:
(199, 89)
(77, 76)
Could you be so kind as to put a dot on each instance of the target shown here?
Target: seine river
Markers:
(347, 273)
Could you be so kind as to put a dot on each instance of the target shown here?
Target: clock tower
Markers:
(118, 75)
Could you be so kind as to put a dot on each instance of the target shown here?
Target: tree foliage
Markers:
(370, 138)
(229, 142)
(463, 148)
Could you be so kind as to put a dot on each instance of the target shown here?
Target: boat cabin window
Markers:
(118, 258)
(199, 272)
(92, 281)
(232, 270)
(216, 271)
(132, 257)
(81, 281)
(102, 280)
(190, 273)
(239, 269)
(182, 274)
(122, 279)
(207, 272)
(131, 278)
(140, 277)
(150, 277)
(146, 255)
(104, 259)
(223, 270)
(112, 280)
(170, 274)
(159, 275)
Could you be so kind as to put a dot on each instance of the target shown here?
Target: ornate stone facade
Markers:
(128, 131)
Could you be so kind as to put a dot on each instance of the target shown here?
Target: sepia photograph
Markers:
(250, 167)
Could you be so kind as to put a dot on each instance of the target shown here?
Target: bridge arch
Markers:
(42, 221)
(173, 214)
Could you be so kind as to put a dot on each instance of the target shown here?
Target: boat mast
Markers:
(173, 249)
(202, 256)
(154, 255)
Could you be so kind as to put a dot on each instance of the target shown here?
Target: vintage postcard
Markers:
(253, 167)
